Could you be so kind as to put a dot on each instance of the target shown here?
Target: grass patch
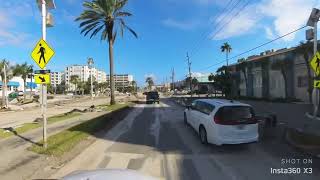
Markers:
(304, 139)
(64, 141)
(29, 126)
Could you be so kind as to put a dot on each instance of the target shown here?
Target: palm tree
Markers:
(134, 84)
(106, 16)
(226, 48)
(5, 72)
(305, 49)
(23, 70)
(150, 82)
(74, 79)
(282, 66)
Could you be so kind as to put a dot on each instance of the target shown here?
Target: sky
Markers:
(167, 30)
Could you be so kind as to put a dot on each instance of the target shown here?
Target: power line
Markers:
(280, 37)
(228, 22)
(206, 33)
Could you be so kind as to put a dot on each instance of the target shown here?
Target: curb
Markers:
(301, 147)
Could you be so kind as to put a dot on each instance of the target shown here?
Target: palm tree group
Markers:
(23, 70)
(107, 17)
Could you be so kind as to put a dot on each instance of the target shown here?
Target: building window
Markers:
(302, 81)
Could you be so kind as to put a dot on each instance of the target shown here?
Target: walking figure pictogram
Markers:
(42, 51)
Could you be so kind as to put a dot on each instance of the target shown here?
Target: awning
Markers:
(12, 83)
(31, 85)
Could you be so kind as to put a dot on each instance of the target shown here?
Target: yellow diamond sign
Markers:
(315, 64)
(42, 54)
(42, 78)
(316, 83)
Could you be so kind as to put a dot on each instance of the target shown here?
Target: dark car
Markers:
(152, 97)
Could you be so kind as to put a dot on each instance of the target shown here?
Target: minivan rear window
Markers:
(235, 115)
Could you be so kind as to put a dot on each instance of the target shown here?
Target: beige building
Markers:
(56, 78)
(122, 80)
(266, 81)
(83, 72)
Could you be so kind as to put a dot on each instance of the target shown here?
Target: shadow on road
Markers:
(22, 137)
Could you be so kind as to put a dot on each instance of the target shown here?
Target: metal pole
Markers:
(315, 43)
(189, 65)
(91, 83)
(5, 87)
(43, 86)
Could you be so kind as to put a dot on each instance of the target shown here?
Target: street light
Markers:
(312, 22)
(90, 63)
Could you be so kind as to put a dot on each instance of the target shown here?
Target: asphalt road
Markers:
(153, 140)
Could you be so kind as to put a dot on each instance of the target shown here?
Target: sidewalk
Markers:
(15, 156)
(13, 119)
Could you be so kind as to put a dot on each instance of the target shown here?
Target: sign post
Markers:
(42, 54)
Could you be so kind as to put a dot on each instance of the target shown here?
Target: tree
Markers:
(150, 82)
(305, 50)
(61, 88)
(74, 79)
(211, 77)
(134, 85)
(282, 65)
(223, 80)
(242, 66)
(9, 75)
(23, 70)
(194, 82)
(81, 86)
(227, 49)
(106, 16)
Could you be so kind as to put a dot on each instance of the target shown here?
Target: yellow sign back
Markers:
(42, 54)
(42, 78)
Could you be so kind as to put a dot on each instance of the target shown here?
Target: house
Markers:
(16, 84)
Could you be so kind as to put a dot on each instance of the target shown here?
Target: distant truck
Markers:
(152, 97)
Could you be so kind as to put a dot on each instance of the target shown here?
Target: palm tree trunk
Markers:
(112, 98)
(3, 94)
(227, 59)
(24, 89)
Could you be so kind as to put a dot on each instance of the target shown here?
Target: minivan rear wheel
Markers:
(203, 135)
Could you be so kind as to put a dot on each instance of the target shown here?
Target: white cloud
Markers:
(269, 33)
(8, 19)
(284, 15)
(183, 25)
(242, 24)
(287, 15)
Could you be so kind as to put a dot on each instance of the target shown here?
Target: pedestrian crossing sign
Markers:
(42, 53)
(315, 63)
(42, 78)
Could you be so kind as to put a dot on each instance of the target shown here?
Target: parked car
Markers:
(152, 97)
(220, 121)
(20, 93)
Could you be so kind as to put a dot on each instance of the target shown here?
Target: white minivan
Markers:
(221, 121)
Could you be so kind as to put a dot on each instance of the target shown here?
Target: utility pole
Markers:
(90, 63)
(172, 78)
(189, 67)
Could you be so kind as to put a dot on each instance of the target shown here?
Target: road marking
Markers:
(121, 160)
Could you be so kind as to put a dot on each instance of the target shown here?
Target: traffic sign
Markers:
(42, 71)
(315, 64)
(42, 78)
(316, 83)
(42, 54)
